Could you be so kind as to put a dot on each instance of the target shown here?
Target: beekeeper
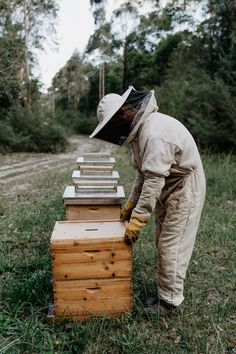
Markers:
(170, 180)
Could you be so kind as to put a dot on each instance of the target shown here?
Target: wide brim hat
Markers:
(107, 107)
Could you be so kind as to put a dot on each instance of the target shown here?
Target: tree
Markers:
(218, 36)
(22, 24)
(102, 42)
(71, 82)
(11, 53)
(36, 19)
(24, 127)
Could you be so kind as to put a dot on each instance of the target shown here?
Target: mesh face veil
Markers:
(121, 124)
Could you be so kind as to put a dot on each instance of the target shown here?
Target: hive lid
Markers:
(88, 231)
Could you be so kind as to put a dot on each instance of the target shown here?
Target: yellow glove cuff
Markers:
(133, 228)
(130, 204)
(127, 210)
(139, 219)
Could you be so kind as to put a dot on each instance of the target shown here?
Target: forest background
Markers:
(184, 50)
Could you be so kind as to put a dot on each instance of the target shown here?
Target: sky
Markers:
(74, 27)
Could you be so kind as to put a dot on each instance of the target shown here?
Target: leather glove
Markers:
(134, 227)
(126, 212)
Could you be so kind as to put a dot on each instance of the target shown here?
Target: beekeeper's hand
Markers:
(126, 212)
(134, 227)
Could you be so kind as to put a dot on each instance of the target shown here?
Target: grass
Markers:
(207, 321)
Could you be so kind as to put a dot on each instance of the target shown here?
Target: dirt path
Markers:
(15, 168)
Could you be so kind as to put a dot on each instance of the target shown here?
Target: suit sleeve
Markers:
(137, 187)
(157, 157)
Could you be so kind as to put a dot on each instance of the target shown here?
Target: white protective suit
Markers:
(170, 180)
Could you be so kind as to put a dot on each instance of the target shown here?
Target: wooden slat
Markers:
(96, 188)
(100, 156)
(92, 212)
(98, 182)
(76, 176)
(96, 162)
(104, 269)
(91, 290)
(80, 318)
(91, 256)
(100, 307)
(86, 283)
(113, 245)
(95, 170)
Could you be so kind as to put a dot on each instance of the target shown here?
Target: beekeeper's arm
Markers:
(157, 158)
(133, 197)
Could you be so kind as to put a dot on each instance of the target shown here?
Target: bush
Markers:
(7, 136)
(31, 131)
(48, 137)
(67, 119)
(9, 140)
(204, 104)
(76, 122)
(86, 125)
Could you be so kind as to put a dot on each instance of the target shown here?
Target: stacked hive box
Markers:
(92, 266)
(91, 269)
(95, 194)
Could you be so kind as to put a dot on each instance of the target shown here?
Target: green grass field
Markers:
(207, 320)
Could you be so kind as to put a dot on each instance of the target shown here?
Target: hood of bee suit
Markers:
(121, 116)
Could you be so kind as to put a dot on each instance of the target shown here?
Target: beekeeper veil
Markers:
(120, 116)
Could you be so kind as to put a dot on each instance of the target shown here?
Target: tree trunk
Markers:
(26, 57)
(101, 81)
(125, 66)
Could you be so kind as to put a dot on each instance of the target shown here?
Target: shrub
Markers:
(86, 125)
(48, 137)
(10, 140)
(204, 104)
(31, 131)
(7, 136)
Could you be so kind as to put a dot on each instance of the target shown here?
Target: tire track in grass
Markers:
(30, 166)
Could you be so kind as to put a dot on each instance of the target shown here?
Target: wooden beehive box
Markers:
(92, 270)
(93, 206)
